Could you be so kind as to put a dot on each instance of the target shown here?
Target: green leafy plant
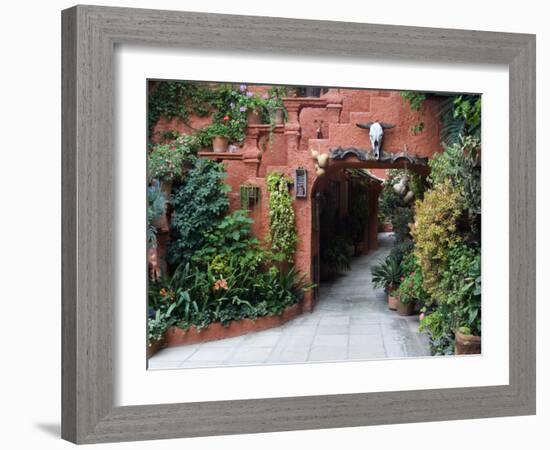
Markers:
(167, 161)
(199, 205)
(282, 226)
(435, 233)
(387, 274)
(460, 116)
(415, 99)
(411, 288)
(171, 99)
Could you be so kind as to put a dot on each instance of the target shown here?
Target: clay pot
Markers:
(254, 118)
(467, 344)
(279, 116)
(314, 154)
(320, 171)
(405, 309)
(393, 300)
(322, 159)
(220, 144)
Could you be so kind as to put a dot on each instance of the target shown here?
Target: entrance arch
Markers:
(344, 165)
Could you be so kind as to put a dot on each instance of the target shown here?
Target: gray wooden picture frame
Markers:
(90, 34)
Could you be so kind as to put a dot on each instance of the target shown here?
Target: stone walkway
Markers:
(351, 321)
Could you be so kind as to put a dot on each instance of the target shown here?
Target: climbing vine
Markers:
(282, 227)
(179, 99)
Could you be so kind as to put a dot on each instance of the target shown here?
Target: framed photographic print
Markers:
(267, 230)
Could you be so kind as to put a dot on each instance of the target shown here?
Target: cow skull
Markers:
(376, 134)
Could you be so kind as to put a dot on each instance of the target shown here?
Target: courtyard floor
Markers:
(350, 322)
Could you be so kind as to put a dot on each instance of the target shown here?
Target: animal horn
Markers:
(386, 125)
(365, 126)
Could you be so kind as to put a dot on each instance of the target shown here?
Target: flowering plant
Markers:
(166, 161)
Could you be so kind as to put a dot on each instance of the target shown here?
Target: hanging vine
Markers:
(282, 221)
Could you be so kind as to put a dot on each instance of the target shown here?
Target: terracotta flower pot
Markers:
(405, 309)
(467, 344)
(220, 144)
(393, 300)
(253, 117)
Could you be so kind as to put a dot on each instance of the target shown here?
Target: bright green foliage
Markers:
(199, 205)
(231, 236)
(435, 233)
(411, 288)
(460, 287)
(415, 99)
(207, 296)
(459, 165)
(461, 116)
(282, 227)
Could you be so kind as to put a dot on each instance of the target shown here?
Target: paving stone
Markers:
(328, 353)
(334, 340)
(250, 355)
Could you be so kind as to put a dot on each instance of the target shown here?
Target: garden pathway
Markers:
(351, 321)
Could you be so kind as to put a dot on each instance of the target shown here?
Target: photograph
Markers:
(299, 224)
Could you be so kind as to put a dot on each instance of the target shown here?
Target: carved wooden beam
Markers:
(341, 153)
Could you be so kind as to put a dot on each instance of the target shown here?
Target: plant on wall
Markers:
(171, 99)
(282, 227)
(198, 204)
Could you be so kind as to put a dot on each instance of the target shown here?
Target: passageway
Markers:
(350, 322)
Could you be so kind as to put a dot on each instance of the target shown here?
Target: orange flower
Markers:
(163, 292)
(220, 284)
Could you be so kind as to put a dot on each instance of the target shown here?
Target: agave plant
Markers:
(387, 275)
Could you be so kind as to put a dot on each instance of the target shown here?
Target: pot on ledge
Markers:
(220, 144)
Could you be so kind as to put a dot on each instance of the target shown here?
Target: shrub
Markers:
(167, 161)
(435, 233)
(411, 288)
(199, 204)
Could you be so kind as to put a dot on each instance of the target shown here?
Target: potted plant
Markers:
(387, 275)
(253, 105)
(219, 133)
(405, 307)
(467, 343)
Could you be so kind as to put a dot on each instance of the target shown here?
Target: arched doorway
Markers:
(350, 187)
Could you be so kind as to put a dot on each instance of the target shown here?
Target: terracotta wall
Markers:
(336, 114)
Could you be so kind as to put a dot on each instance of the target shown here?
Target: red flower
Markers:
(226, 118)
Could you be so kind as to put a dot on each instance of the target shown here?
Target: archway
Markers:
(352, 180)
